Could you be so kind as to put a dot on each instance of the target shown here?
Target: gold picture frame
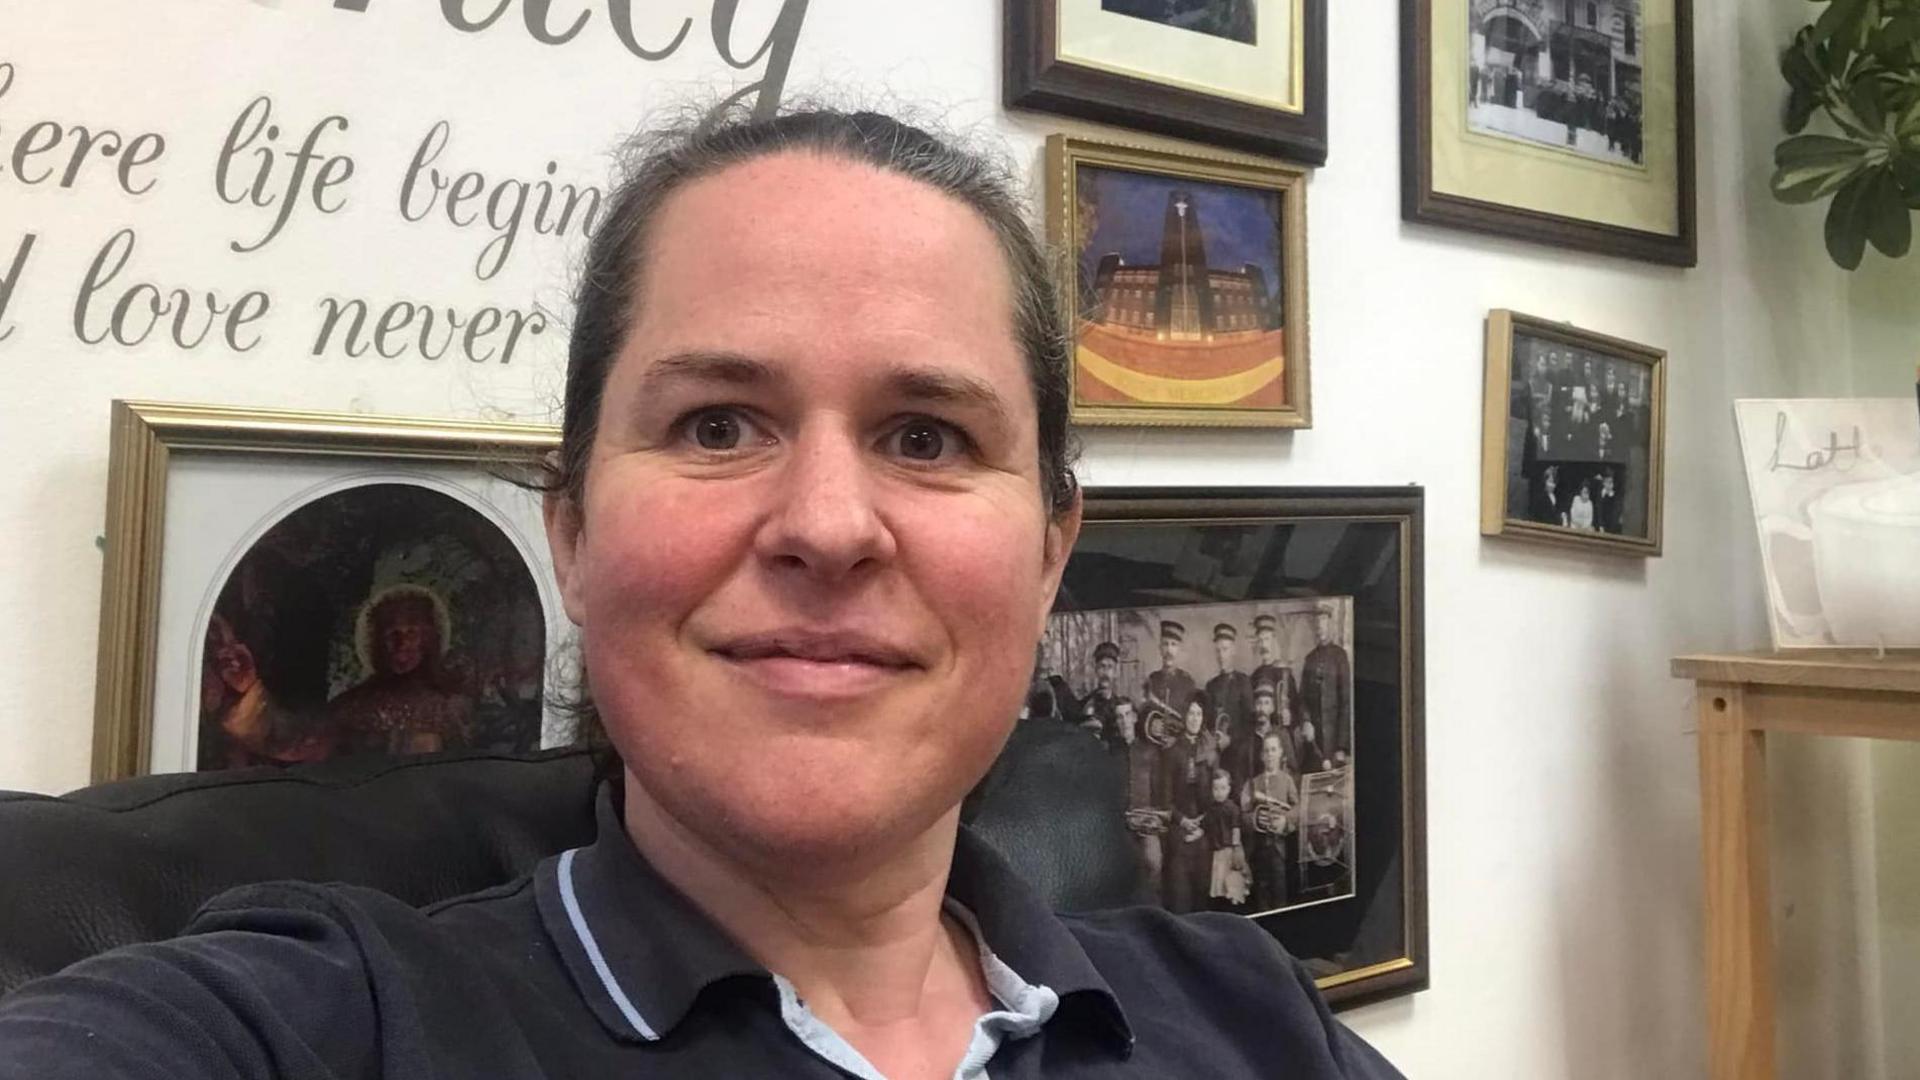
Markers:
(1573, 437)
(1153, 351)
(152, 441)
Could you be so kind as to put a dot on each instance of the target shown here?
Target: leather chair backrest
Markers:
(132, 860)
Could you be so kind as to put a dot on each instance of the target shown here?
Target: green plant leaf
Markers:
(1840, 21)
(1905, 169)
(1816, 149)
(1808, 184)
(1799, 111)
(1864, 97)
(1809, 167)
(1900, 32)
(1846, 227)
(1889, 222)
(1799, 65)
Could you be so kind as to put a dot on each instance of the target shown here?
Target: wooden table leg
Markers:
(1739, 927)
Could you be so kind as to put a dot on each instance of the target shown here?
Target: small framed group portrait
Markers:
(1574, 436)
(284, 588)
(1189, 285)
(1241, 74)
(1566, 122)
(1239, 673)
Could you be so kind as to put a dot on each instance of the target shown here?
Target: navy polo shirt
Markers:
(594, 966)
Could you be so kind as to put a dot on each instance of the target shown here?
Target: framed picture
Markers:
(1835, 484)
(284, 587)
(1567, 122)
(1189, 290)
(1572, 450)
(1252, 659)
(1244, 74)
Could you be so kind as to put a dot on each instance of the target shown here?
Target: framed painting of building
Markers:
(1233, 678)
(1247, 75)
(290, 587)
(1565, 122)
(1188, 290)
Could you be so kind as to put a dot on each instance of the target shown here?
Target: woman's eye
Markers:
(922, 441)
(719, 429)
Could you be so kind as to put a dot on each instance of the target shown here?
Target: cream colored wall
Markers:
(1562, 819)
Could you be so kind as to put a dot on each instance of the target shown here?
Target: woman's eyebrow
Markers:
(936, 386)
(731, 368)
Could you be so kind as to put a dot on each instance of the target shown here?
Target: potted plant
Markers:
(1858, 65)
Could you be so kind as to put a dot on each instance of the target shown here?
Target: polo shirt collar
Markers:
(640, 953)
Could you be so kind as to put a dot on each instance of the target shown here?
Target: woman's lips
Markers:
(793, 676)
(815, 664)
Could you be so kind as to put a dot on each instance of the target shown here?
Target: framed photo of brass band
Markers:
(289, 587)
(1565, 122)
(1189, 290)
(1574, 437)
(1241, 671)
(1242, 74)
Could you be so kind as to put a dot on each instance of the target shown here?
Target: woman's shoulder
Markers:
(1212, 944)
(1219, 981)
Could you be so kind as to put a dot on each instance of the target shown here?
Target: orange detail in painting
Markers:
(1118, 366)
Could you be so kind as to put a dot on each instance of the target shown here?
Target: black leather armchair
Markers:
(133, 860)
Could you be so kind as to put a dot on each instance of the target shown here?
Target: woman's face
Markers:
(813, 534)
(1196, 718)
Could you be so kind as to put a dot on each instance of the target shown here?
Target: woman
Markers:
(811, 507)
(1190, 764)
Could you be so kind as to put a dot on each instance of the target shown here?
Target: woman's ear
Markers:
(565, 531)
(1063, 530)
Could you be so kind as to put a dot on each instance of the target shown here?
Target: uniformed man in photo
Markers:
(1268, 666)
(1171, 686)
(1326, 691)
(1096, 709)
(1242, 760)
(1149, 799)
(1230, 691)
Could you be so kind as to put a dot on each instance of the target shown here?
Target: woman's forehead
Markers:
(797, 264)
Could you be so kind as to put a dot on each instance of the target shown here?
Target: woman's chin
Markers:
(805, 826)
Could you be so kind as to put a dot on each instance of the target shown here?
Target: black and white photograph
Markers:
(1581, 436)
(1558, 73)
(1236, 725)
(1230, 19)
(1226, 714)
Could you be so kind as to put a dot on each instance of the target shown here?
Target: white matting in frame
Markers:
(1267, 73)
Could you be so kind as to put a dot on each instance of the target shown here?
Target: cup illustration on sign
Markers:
(1851, 573)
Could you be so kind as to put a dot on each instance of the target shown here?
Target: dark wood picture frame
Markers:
(1419, 202)
(1364, 543)
(1035, 77)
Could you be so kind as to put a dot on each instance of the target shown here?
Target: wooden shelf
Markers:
(1742, 697)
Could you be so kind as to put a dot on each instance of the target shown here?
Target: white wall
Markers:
(1562, 820)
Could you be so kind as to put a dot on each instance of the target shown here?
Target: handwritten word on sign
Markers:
(539, 18)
